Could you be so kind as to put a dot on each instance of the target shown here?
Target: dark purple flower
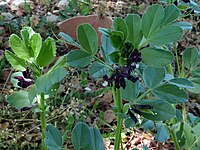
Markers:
(25, 80)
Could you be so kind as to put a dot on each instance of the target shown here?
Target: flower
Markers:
(25, 80)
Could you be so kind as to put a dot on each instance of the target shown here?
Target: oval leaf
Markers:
(166, 35)
(190, 57)
(98, 70)
(171, 93)
(182, 82)
(19, 47)
(53, 139)
(133, 22)
(81, 137)
(47, 53)
(19, 99)
(162, 134)
(36, 44)
(88, 39)
(156, 57)
(120, 25)
(171, 14)
(152, 20)
(153, 76)
(161, 110)
(78, 58)
(97, 141)
(131, 90)
(16, 62)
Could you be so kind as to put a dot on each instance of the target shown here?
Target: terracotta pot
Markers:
(69, 26)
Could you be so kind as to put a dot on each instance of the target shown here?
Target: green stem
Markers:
(177, 62)
(174, 138)
(143, 95)
(184, 113)
(170, 69)
(119, 121)
(43, 119)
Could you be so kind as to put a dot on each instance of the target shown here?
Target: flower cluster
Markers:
(132, 57)
(25, 80)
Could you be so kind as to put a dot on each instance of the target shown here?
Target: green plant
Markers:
(30, 56)
(81, 6)
(139, 62)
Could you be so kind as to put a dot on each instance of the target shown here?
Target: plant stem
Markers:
(177, 61)
(174, 138)
(42, 118)
(119, 121)
(143, 95)
(170, 69)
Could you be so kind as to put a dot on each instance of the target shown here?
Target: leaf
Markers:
(53, 139)
(97, 141)
(58, 74)
(183, 25)
(32, 92)
(106, 48)
(47, 53)
(36, 44)
(88, 39)
(162, 134)
(162, 110)
(131, 90)
(190, 57)
(171, 14)
(19, 99)
(189, 136)
(171, 94)
(182, 83)
(196, 83)
(147, 124)
(120, 25)
(133, 22)
(46, 82)
(98, 70)
(156, 57)
(152, 20)
(69, 39)
(153, 76)
(129, 123)
(61, 62)
(26, 34)
(78, 58)
(16, 62)
(19, 47)
(166, 35)
(81, 137)
(116, 38)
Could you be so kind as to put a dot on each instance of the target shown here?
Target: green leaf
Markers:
(131, 90)
(156, 57)
(47, 53)
(98, 70)
(162, 110)
(69, 39)
(183, 25)
(106, 48)
(61, 62)
(171, 93)
(19, 47)
(79, 58)
(26, 34)
(81, 137)
(153, 76)
(162, 133)
(97, 141)
(190, 57)
(133, 22)
(195, 72)
(196, 82)
(129, 123)
(88, 39)
(166, 35)
(32, 92)
(182, 83)
(46, 82)
(58, 74)
(189, 136)
(120, 25)
(152, 20)
(16, 62)
(36, 44)
(19, 99)
(116, 38)
(171, 14)
(147, 124)
(53, 139)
